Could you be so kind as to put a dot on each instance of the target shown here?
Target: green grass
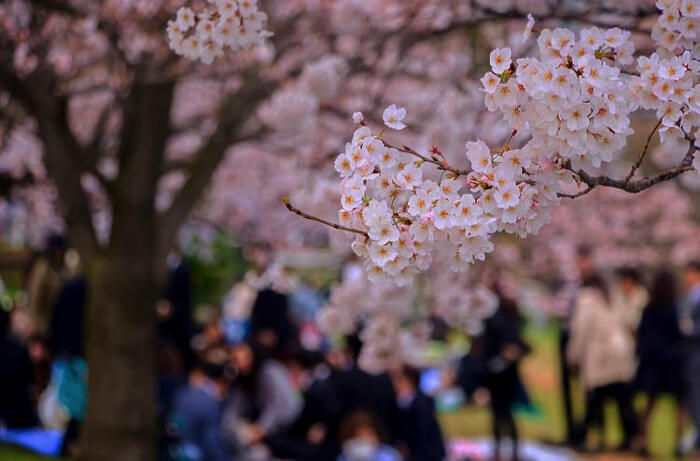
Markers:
(540, 374)
(9, 453)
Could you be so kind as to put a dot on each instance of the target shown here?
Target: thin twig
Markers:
(297, 211)
(639, 161)
(441, 165)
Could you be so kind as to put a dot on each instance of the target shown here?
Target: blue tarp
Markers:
(46, 442)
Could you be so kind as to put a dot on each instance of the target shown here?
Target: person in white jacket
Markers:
(604, 352)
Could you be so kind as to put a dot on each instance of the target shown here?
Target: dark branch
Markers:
(234, 113)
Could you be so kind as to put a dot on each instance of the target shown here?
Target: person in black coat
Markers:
(659, 345)
(503, 348)
(419, 431)
(175, 310)
(66, 336)
(313, 436)
(360, 390)
(271, 327)
(16, 379)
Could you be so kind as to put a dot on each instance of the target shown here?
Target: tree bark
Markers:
(121, 345)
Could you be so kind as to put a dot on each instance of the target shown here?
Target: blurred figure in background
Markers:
(659, 349)
(419, 431)
(16, 406)
(175, 309)
(44, 283)
(263, 400)
(360, 390)
(197, 414)
(362, 440)
(503, 349)
(573, 429)
(313, 436)
(690, 327)
(271, 328)
(603, 351)
(629, 298)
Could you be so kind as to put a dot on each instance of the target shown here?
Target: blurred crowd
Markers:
(251, 383)
(623, 336)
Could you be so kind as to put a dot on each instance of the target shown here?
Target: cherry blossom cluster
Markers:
(678, 24)
(573, 102)
(668, 82)
(404, 219)
(234, 24)
(573, 99)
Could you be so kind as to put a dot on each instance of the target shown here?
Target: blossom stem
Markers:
(304, 215)
(441, 166)
(639, 161)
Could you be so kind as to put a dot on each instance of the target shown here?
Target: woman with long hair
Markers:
(659, 348)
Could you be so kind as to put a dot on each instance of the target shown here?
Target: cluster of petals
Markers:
(233, 24)
(573, 102)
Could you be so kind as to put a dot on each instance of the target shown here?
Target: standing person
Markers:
(175, 309)
(503, 348)
(584, 266)
(419, 430)
(44, 283)
(272, 330)
(690, 327)
(659, 348)
(604, 354)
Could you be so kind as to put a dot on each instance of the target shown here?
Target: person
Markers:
(584, 267)
(16, 379)
(175, 309)
(271, 327)
(364, 391)
(313, 436)
(503, 348)
(44, 283)
(197, 413)
(419, 430)
(361, 439)
(690, 327)
(629, 298)
(604, 354)
(66, 338)
(659, 349)
(263, 400)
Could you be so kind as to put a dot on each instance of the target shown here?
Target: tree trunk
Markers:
(121, 347)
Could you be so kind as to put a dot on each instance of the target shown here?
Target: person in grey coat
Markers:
(263, 399)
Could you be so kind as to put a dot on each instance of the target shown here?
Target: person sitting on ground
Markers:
(361, 439)
(16, 407)
(197, 413)
(420, 433)
(263, 400)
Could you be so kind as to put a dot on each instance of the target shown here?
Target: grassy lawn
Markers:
(541, 375)
(8, 453)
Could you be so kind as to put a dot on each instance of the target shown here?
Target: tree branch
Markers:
(234, 112)
(632, 186)
(297, 211)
